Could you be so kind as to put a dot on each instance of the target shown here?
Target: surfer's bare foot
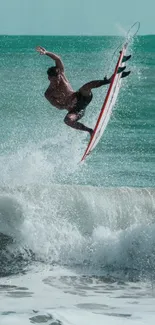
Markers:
(91, 132)
(107, 80)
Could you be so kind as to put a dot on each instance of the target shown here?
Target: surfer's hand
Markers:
(41, 50)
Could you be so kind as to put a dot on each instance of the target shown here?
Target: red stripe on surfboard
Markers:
(105, 101)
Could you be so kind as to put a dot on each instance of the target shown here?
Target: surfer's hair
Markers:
(53, 72)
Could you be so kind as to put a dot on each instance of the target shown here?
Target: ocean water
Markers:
(77, 240)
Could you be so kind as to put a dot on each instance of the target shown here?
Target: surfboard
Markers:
(108, 104)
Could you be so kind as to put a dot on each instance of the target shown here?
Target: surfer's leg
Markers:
(73, 116)
(85, 90)
(71, 119)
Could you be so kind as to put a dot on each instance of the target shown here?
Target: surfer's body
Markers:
(61, 95)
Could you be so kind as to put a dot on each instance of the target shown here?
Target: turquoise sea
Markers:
(77, 240)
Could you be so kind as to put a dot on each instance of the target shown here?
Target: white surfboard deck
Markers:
(107, 106)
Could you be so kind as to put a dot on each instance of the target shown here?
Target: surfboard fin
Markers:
(121, 69)
(125, 74)
(126, 58)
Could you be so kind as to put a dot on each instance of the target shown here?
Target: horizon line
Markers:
(72, 35)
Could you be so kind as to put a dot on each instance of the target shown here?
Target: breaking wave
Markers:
(79, 226)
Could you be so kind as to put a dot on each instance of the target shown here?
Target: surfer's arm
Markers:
(57, 59)
(53, 56)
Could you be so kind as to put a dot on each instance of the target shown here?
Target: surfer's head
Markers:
(52, 72)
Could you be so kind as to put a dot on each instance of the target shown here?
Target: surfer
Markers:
(61, 95)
